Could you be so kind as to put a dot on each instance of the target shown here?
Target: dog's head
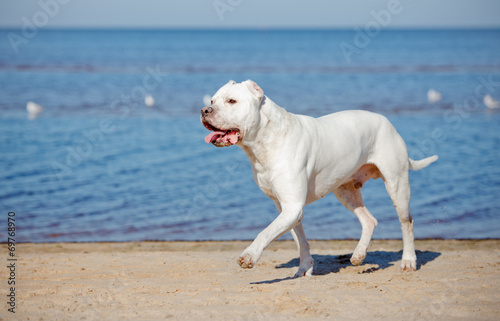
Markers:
(233, 113)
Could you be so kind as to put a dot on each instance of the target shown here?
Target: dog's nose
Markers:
(207, 110)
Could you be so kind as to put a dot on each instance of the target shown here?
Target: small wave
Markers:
(270, 69)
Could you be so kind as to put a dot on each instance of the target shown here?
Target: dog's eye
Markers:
(231, 101)
(212, 102)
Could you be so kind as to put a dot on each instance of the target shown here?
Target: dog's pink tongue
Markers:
(213, 136)
(233, 137)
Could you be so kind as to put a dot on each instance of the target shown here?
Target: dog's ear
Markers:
(255, 89)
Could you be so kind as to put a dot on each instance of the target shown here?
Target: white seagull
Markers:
(433, 96)
(33, 109)
(149, 100)
(490, 102)
(207, 100)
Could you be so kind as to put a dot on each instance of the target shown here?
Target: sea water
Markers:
(99, 165)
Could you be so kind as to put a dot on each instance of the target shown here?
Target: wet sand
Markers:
(456, 280)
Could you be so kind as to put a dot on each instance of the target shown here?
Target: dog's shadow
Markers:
(326, 264)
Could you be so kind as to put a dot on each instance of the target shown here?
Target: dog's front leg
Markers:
(306, 260)
(299, 236)
(290, 216)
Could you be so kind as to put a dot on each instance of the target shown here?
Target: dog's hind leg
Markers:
(399, 191)
(394, 165)
(349, 195)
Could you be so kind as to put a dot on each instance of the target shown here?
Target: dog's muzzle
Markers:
(219, 137)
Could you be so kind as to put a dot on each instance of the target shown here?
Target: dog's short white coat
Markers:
(298, 159)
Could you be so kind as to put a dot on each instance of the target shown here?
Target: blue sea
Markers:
(99, 165)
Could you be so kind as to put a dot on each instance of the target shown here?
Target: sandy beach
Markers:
(456, 280)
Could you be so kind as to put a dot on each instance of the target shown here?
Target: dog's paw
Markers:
(305, 269)
(409, 265)
(246, 261)
(358, 257)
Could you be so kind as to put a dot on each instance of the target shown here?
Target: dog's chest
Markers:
(261, 177)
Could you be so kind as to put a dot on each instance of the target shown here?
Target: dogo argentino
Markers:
(298, 159)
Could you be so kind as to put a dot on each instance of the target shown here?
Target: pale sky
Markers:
(249, 13)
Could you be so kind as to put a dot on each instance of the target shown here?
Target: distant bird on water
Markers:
(490, 102)
(433, 96)
(207, 100)
(149, 100)
(33, 109)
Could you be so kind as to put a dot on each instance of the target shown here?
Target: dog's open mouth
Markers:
(222, 138)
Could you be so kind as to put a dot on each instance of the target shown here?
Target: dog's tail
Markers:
(416, 165)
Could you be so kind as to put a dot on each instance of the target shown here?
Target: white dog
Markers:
(298, 159)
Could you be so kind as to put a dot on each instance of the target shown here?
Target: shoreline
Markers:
(189, 280)
(319, 241)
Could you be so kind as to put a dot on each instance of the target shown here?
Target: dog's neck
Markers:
(274, 124)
